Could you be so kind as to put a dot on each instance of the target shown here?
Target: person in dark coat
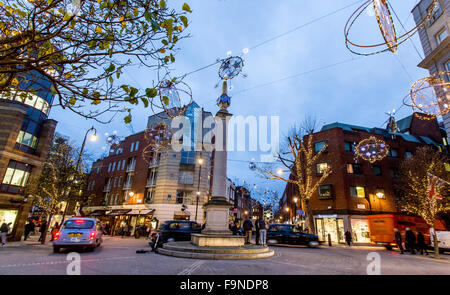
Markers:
(410, 240)
(257, 229)
(348, 237)
(398, 239)
(42, 230)
(248, 227)
(421, 243)
(235, 228)
(27, 230)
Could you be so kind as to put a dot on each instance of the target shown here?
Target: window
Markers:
(136, 146)
(447, 69)
(98, 170)
(186, 177)
(187, 157)
(119, 184)
(376, 170)
(393, 153)
(109, 167)
(151, 181)
(322, 167)
(354, 168)
(318, 146)
(325, 192)
(349, 146)
(106, 198)
(16, 177)
(115, 182)
(123, 164)
(150, 195)
(380, 194)
(357, 191)
(183, 197)
(113, 167)
(132, 146)
(435, 14)
(26, 138)
(408, 155)
(395, 173)
(441, 36)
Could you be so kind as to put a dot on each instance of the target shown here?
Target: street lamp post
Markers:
(93, 137)
(200, 162)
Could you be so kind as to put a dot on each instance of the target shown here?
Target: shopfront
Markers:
(140, 218)
(360, 229)
(330, 225)
(7, 216)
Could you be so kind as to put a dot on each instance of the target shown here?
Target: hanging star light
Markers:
(231, 67)
(386, 26)
(372, 149)
(113, 141)
(430, 95)
(174, 98)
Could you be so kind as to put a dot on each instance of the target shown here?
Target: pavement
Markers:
(118, 256)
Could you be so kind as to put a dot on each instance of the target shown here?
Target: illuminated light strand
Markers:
(392, 41)
(372, 149)
(174, 99)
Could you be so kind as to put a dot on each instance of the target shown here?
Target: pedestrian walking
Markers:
(262, 231)
(4, 230)
(54, 230)
(410, 241)
(348, 237)
(43, 230)
(248, 227)
(28, 229)
(421, 243)
(398, 239)
(155, 242)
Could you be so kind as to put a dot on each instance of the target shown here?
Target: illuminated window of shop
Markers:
(318, 146)
(8, 216)
(16, 177)
(380, 194)
(354, 168)
(357, 191)
(322, 167)
(325, 192)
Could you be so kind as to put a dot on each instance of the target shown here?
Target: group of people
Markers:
(247, 227)
(412, 242)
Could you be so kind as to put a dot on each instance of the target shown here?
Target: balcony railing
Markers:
(107, 189)
(130, 168)
(151, 182)
(127, 185)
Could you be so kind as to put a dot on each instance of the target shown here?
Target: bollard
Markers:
(329, 240)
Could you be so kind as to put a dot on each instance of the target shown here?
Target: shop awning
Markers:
(118, 212)
(97, 213)
(141, 212)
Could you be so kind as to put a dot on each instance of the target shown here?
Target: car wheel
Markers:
(388, 247)
(55, 249)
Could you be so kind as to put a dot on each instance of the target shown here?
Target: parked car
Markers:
(443, 238)
(178, 230)
(78, 232)
(290, 234)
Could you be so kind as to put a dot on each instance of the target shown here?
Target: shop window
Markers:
(357, 191)
(319, 146)
(325, 192)
(16, 177)
(376, 170)
(322, 167)
(354, 168)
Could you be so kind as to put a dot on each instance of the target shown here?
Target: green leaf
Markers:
(186, 7)
(125, 88)
(164, 41)
(165, 100)
(127, 119)
(162, 4)
(151, 92)
(184, 20)
(133, 91)
(111, 68)
(72, 100)
(144, 101)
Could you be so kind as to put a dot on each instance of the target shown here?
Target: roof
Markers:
(346, 127)
(404, 123)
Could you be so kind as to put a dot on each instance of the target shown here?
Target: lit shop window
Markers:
(16, 177)
(357, 191)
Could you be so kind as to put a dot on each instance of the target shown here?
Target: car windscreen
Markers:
(79, 224)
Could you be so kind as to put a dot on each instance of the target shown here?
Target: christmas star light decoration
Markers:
(158, 137)
(231, 67)
(430, 96)
(174, 98)
(372, 149)
(382, 10)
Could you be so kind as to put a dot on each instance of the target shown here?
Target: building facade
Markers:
(434, 37)
(356, 188)
(26, 135)
(131, 187)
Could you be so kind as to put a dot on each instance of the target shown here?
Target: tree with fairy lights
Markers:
(301, 163)
(424, 185)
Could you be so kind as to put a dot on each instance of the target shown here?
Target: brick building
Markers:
(125, 188)
(357, 188)
(26, 134)
(435, 40)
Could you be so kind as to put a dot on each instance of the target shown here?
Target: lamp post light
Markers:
(200, 163)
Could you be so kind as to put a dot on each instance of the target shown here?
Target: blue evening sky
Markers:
(357, 92)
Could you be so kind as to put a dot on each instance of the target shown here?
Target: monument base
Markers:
(214, 240)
